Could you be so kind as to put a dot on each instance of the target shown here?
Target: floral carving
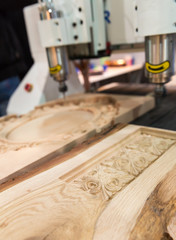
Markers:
(104, 181)
(111, 175)
(151, 144)
(103, 109)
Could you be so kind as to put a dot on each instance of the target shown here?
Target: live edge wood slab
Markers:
(108, 191)
(157, 219)
(52, 129)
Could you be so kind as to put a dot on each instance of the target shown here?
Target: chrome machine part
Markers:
(56, 55)
(58, 65)
(160, 58)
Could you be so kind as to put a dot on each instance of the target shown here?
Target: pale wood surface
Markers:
(76, 200)
(54, 128)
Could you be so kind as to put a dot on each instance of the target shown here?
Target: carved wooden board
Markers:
(54, 128)
(97, 194)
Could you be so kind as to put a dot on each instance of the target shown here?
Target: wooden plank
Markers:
(54, 128)
(98, 194)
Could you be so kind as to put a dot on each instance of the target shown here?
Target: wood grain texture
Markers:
(58, 211)
(59, 204)
(157, 219)
(56, 127)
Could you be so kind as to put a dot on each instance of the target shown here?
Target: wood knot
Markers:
(166, 236)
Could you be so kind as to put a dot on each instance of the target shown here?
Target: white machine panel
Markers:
(122, 23)
(52, 32)
(73, 22)
(156, 17)
(99, 25)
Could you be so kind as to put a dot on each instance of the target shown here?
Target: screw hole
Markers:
(57, 23)
(81, 22)
(136, 8)
(74, 24)
(137, 29)
(80, 9)
(76, 37)
(59, 39)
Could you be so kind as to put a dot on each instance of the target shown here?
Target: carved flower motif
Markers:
(113, 185)
(138, 165)
(122, 164)
(151, 144)
(93, 172)
(90, 185)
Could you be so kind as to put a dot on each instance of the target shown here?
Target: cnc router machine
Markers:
(82, 29)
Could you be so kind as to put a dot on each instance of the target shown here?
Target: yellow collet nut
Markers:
(158, 68)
